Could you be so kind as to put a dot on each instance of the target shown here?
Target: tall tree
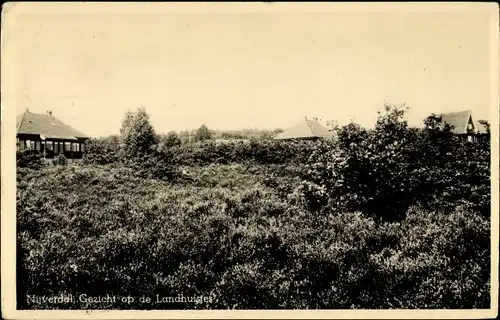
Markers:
(137, 135)
(172, 139)
(202, 134)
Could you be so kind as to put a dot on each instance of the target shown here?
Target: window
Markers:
(38, 146)
(82, 147)
(21, 144)
(470, 138)
(28, 144)
(50, 145)
(75, 146)
(67, 146)
(56, 147)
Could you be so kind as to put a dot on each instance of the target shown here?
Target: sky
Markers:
(244, 69)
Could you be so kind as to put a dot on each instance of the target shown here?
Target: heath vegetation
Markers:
(388, 217)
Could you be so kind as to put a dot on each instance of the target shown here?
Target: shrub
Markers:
(102, 150)
(108, 230)
(60, 160)
(256, 151)
(28, 159)
(172, 139)
(436, 259)
(154, 165)
(384, 171)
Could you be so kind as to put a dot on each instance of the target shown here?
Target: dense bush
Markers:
(386, 170)
(152, 165)
(60, 160)
(136, 148)
(103, 230)
(102, 150)
(256, 151)
(28, 158)
(260, 151)
(169, 140)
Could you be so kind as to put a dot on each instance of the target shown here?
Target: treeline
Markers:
(107, 150)
(203, 133)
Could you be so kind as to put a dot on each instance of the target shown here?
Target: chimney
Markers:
(49, 112)
(27, 110)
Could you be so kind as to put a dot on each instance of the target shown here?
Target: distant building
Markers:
(464, 124)
(50, 136)
(305, 130)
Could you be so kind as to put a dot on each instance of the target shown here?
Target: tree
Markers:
(184, 136)
(367, 170)
(202, 134)
(137, 134)
(486, 124)
(172, 139)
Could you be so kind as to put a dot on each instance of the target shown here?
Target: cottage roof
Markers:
(304, 130)
(47, 126)
(460, 120)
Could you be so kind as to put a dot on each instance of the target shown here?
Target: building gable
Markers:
(462, 122)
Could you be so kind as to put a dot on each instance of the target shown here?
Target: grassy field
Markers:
(238, 234)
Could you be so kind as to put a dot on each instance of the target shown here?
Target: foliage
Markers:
(153, 166)
(28, 158)
(237, 151)
(385, 170)
(102, 150)
(184, 136)
(486, 124)
(202, 134)
(389, 217)
(246, 134)
(169, 140)
(231, 151)
(137, 135)
(100, 230)
(60, 160)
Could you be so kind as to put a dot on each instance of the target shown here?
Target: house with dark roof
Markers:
(463, 123)
(49, 135)
(305, 130)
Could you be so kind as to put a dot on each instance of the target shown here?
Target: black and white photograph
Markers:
(235, 158)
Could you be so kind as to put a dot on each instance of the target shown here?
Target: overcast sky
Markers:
(233, 70)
